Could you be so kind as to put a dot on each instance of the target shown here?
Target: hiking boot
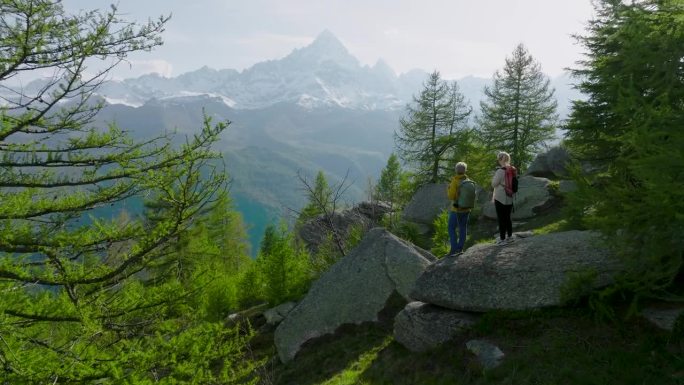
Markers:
(500, 242)
(509, 240)
(456, 254)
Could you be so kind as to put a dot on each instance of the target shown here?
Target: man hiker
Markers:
(461, 192)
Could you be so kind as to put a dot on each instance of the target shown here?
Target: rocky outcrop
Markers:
(354, 290)
(488, 355)
(276, 314)
(426, 205)
(533, 197)
(551, 164)
(421, 326)
(529, 273)
(366, 214)
(664, 318)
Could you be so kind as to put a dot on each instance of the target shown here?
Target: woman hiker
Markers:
(502, 202)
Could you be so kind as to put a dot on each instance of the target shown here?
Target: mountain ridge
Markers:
(321, 74)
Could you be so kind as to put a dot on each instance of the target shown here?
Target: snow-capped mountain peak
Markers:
(323, 73)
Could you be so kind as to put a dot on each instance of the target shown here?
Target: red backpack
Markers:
(510, 180)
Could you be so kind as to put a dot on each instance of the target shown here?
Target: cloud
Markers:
(392, 32)
(158, 66)
(273, 39)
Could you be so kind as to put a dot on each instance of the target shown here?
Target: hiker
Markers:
(461, 192)
(503, 201)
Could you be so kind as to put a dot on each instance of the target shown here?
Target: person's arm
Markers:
(498, 177)
(452, 191)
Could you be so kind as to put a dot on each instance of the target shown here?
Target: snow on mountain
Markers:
(321, 74)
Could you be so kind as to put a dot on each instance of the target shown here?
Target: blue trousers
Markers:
(459, 220)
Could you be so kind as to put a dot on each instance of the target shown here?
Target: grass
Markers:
(556, 346)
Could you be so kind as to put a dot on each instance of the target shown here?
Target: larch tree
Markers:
(629, 130)
(391, 188)
(429, 129)
(518, 114)
(81, 301)
(319, 198)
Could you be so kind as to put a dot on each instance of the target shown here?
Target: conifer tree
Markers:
(391, 187)
(284, 267)
(629, 130)
(323, 204)
(227, 230)
(429, 129)
(387, 188)
(519, 112)
(81, 298)
(319, 199)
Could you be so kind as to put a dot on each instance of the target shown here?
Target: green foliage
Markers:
(207, 353)
(250, 290)
(430, 128)
(387, 188)
(629, 129)
(578, 285)
(319, 199)
(407, 231)
(554, 188)
(284, 268)
(356, 233)
(394, 188)
(555, 227)
(440, 239)
(472, 149)
(325, 256)
(519, 113)
(87, 299)
(327, 253)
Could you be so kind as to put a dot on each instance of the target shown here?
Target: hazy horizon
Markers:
(457, 38)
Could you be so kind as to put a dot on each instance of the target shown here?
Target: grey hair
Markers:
(461, 168)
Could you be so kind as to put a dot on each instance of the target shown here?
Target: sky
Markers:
(456, 37)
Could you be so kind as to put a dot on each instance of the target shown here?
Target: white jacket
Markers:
(498, 181)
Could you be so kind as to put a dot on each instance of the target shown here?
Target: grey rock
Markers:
(372, 210)
(523, 234)
(421, 326)
(316, 231)
(276, 314)
(482, 196)
(551, 164)
(354, 290)
(427, 203)
(487, 354)
(526, 274)
(533, 196)
(663, 318)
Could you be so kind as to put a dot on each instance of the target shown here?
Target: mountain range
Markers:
(322, 74)
(317, 108)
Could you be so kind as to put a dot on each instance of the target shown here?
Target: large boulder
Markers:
(354, 290)
(421, 326)
(526, 274)
(316, 231)
(551, 164)
(426, 205)
(533, 197)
